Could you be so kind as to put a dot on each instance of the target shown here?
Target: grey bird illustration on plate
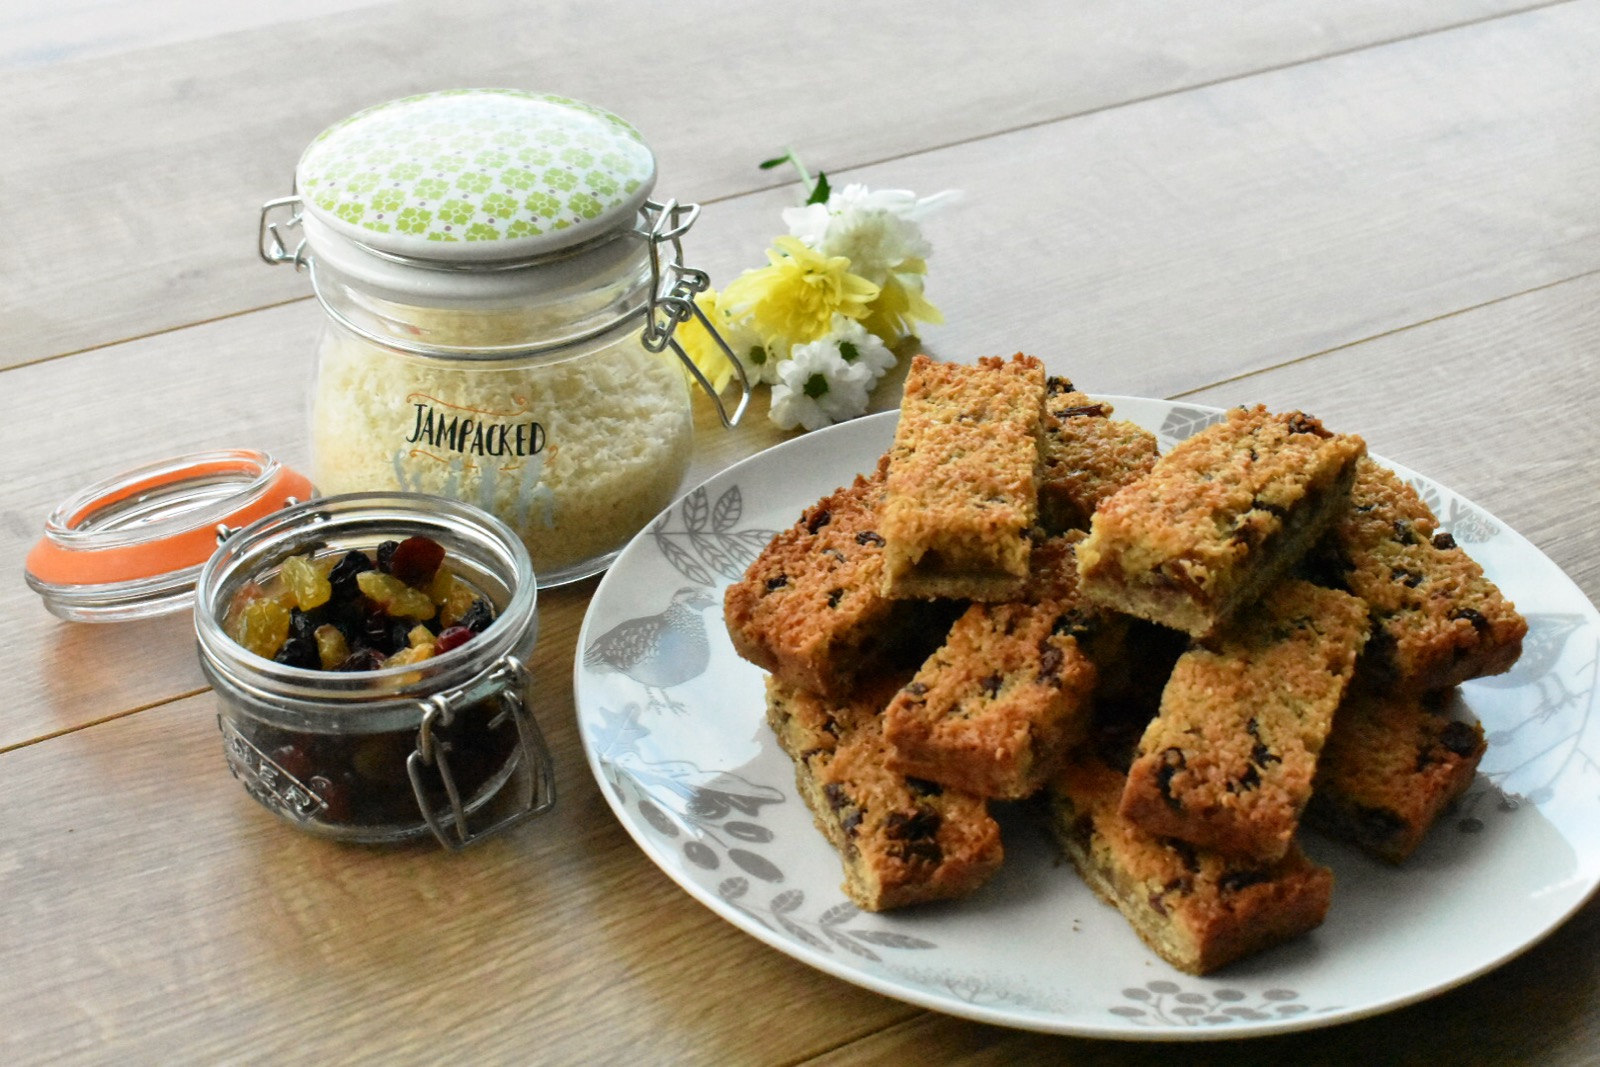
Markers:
(658, 651)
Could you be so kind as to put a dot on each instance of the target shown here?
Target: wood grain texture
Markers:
(122, 233)
(1380, 213)
(202, 927)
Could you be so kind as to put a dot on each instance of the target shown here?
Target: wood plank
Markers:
(212, 932)
(72, 30)
(123, 233)
(1205, 235)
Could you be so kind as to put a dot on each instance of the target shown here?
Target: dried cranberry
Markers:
(292, 760)
(452, 637)
(416, 560)
(337, 791)
(363, 659)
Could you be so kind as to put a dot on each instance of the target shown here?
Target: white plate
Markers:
(691, 769)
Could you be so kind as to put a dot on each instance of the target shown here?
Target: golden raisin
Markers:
(396, 597)
(331, 646)
(262, 626)
(454, 602)
(308, 585)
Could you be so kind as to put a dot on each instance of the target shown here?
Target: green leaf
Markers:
(768, 164)
(819, 192)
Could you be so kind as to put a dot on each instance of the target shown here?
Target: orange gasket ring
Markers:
(54, 562)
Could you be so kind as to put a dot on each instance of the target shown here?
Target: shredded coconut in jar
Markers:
(576, 453)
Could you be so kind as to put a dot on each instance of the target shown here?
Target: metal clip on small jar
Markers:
(499, 288)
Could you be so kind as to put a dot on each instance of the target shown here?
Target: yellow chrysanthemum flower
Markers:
(793, 300)
(899, 307)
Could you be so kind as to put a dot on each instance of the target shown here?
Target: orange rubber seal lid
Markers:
(161, 520)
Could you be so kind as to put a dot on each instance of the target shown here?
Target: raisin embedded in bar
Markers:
(901, 840)
(1219, 518)
(1228, 762)
(1085, 456)
(1437, 621)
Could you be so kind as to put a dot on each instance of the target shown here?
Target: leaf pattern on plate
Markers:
(708, 545)
(713, 811)
(1467, 524)
(831, 930)
(985, 989)
(1162, 1003)
(1530, 754)
(1185, 421)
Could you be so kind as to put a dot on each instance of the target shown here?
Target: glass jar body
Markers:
(542, 406)
(383, 755)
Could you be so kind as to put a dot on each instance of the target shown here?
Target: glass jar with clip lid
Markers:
(500, 290)
(383, 725)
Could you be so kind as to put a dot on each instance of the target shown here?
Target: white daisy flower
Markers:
(817, 387)
(856, 344)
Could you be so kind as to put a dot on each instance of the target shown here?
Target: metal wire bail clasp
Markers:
(270, 242)
(673, 287)
(511, 686)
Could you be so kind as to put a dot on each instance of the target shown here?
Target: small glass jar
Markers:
(500, 292)
(390, 754)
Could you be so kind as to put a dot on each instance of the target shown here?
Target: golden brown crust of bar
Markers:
(1196, 909)
(810, 608)
(996, 708)
(1228, 762)
(1085, 456)
(1218, 519)
(1392, 765)
(901, 841)
(962, 486)
(1437, 620)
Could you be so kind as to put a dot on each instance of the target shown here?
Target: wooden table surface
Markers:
(1382, 213)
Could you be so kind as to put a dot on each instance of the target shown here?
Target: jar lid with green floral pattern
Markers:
(489, 175)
